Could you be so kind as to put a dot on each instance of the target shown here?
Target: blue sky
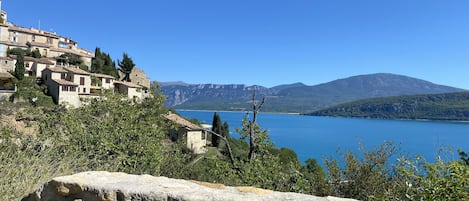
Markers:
(266, 42)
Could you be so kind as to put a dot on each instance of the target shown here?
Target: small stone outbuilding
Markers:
(196, 136)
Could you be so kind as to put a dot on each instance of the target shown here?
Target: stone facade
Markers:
(62, 90)
(49, 44)
(196, 136)
(7, 86)
(138, 77)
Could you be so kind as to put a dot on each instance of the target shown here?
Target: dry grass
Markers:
(23, 172)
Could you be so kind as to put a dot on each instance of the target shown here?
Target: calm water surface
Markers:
(321, 137)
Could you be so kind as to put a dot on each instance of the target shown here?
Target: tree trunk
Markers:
(227, 146)
(252, 135)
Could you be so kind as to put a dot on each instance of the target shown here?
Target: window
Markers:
(108, 80)
(6, 62)
(27, 65)
(72, 88)
(82, 81)
(63, 44)
(202, 135)
(84, 90)
(34, 38)
(64, 88)
(62, 76)
(49, 40)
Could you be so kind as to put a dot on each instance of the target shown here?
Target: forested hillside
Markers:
(448, 106)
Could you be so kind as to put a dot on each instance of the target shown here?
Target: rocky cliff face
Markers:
(178, 93)
(106, 186)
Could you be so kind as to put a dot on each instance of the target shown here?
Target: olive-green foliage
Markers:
(26, 52)
(464, 156)
(366, 177)
(36, 54)
(438, 181)
(25, 166)
(316, 178)
(113, 133)
(28, 90)
(69, 58)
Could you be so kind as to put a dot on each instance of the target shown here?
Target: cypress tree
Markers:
(19, 67)
(217, 127)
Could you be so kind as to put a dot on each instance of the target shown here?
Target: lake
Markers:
(320, 137)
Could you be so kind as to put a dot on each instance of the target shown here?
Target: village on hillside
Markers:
(67, 84)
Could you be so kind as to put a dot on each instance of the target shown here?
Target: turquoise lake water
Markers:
(320, 137)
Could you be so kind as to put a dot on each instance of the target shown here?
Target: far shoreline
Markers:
(290, 113)
(350, 117)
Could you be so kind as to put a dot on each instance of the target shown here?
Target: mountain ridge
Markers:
(297, 97)
(445, 106)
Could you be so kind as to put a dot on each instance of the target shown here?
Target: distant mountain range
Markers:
(296, 97)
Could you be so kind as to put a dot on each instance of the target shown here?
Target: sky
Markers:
(266, 42)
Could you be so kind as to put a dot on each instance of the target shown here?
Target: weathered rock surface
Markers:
(106, 186)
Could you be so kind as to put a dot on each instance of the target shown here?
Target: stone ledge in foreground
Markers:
(115, 186)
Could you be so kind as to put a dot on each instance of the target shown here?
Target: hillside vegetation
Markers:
(297, 97)
(448, 106)
(117, 134)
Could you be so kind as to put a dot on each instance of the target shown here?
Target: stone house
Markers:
(131, 90)
(7, 86)
(79, 77)
(7, 64)
(102, 81)
(196, 136)
(61, 90)
(67, 85)
(32, 66)
(40, 64)
(138, 77)
(49, 44)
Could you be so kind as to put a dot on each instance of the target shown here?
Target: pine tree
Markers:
(19, 67)
(126, 66)
(102, 63)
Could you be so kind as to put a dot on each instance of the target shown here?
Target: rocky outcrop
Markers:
(107, 186)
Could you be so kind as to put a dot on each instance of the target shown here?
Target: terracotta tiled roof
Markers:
(101, 75)
(37, 44)
(44, 61)
(128, 84)
(57, 69)
(7, 58)
(64, 82)
(26, 58)
(181, 121)
(6, 75)
(77, 70)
